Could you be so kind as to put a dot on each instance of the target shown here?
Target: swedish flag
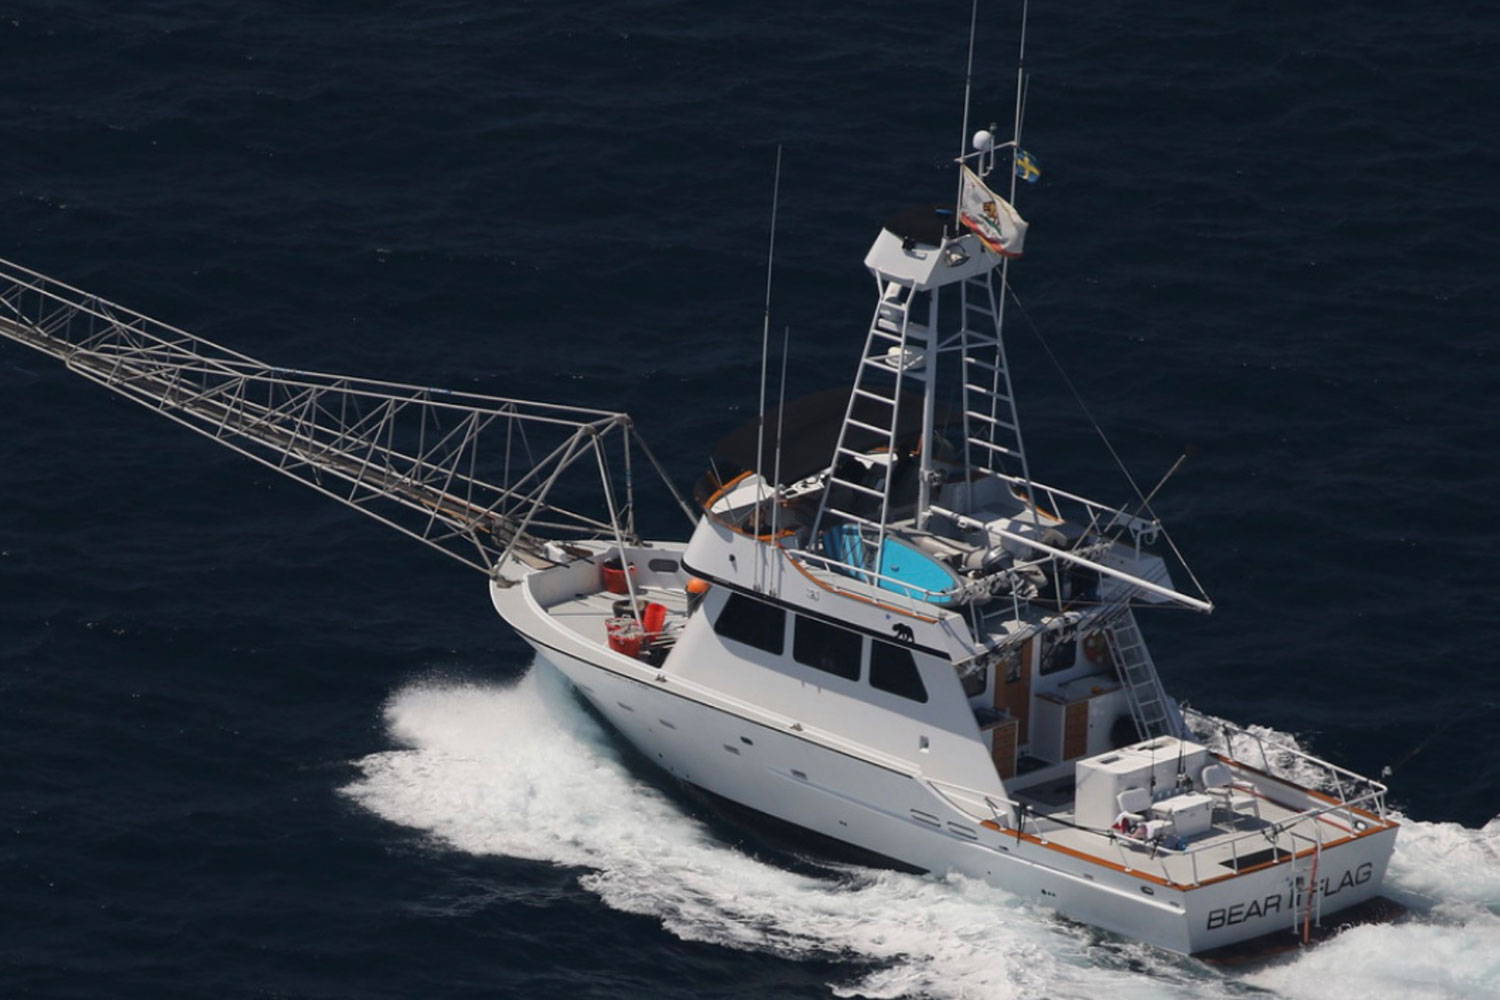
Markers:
(1026, 167)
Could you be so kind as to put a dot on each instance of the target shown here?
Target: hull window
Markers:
(753, 623)
(827, 647)
(894, 671)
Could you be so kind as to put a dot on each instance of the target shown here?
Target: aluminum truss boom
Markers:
(480, 478)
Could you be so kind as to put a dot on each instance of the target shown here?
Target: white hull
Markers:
(899, 816)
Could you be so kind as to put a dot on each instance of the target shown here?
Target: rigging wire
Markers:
(1109, 446)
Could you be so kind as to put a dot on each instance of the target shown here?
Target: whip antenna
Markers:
(765, 342)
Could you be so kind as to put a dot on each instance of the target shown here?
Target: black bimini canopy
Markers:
(810, 431)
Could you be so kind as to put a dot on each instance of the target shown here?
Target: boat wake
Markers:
(522, 771)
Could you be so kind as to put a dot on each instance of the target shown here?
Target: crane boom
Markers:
(473, 476)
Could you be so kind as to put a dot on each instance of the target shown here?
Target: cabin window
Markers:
(974, 682)
(1059, 656)
(753, 623)
(827, 647)
(662, 565)
(892, 669)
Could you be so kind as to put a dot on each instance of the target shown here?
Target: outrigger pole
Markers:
(469, 475)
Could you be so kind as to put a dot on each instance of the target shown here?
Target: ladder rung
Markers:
(851, 517)
(882, 363)
(990, 445)
(888, 336)
(857, 486)
(982, 364)
(998, 396)
(888, 401)
(884, 323)
(855, 454)
(989, 419)
(869, 427)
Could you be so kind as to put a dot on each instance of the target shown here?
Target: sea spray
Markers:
(522, 771)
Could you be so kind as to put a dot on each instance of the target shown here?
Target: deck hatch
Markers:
(1252, 860)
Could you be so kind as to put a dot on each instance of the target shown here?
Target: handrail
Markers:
(1073, 557)
(1370, 801)
(1230, 730)
(828, 564)
(937, 786)
(792, 557)
(1160, 850)
(1139, 525)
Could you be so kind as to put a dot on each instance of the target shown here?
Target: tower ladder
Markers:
(885, 364)
(1148, 700)
(992, 427)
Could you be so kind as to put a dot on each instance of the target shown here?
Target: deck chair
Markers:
(1218, 782)
(1133, 803)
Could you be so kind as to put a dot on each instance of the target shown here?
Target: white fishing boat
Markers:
(882, 629)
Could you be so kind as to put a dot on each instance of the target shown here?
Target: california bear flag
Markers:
(991, 217)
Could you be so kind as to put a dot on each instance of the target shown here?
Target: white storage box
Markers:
(1189, 814)
(1098, 780)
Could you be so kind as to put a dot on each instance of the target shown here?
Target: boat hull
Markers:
(898, 816)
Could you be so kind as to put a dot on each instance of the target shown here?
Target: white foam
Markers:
(522, 771)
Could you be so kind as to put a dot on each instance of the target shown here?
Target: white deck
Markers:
(1259, 831)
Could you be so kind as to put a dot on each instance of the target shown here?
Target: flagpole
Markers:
(1015, 144)
(963, 136)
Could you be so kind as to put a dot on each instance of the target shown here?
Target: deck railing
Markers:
(1291, 773)
(1288, 777)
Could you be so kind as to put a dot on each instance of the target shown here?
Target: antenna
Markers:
(765, 341)
(1015, 144)
(786, 340)
(963, 134)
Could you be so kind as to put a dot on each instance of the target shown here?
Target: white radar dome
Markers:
(983, 141)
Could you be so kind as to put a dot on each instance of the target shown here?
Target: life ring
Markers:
(1096, 648)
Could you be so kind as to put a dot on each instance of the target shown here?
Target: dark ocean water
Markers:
(252, 746)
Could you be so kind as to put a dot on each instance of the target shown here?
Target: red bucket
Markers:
(614, 577)
(624, 635)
